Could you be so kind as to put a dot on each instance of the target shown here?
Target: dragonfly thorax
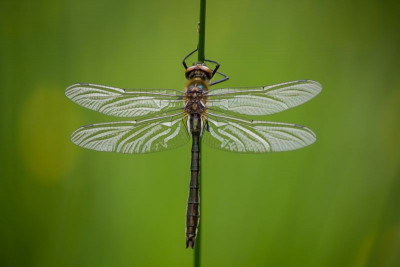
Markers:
(195, 96)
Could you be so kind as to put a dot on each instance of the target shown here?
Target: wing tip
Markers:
(313, 82)
(77, 84)
(306, 129)
(73, 86)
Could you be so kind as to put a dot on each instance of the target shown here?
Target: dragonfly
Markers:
(164, 119)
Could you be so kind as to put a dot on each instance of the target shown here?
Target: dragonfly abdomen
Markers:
(193, 207)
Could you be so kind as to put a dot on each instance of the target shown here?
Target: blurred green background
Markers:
(335, 203)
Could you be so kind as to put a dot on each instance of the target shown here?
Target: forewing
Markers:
(237, 135)
(134, 137)
(124, 102)
(263, 100)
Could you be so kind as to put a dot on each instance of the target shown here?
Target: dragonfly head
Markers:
(198, 70)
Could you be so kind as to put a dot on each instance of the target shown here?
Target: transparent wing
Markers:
(124, 102)
(237, 135)
(263, 100)
(134, 137)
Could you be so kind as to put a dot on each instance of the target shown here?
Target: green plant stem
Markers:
(201, 57)
(202, 30)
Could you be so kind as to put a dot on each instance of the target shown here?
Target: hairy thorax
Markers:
(195, 99)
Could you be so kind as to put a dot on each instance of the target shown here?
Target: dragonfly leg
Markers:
(216, 71)
(207, 127)
(226, 77)
(186, 57)
(216, 63)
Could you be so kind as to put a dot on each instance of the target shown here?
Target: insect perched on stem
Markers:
(166, 119)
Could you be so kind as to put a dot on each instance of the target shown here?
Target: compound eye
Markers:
(200, 86)
(191, 86)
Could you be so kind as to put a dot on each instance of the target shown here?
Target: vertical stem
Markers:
(201, 57)
(202, 30)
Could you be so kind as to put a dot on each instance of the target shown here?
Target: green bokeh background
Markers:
(335, 203)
